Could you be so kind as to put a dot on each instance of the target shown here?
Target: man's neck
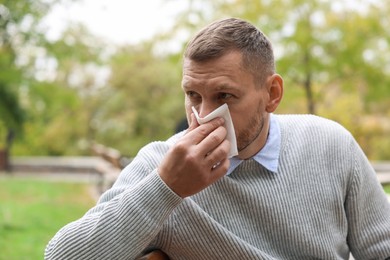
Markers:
(257, 144)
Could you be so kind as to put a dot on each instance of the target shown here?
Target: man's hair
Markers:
(232, 34)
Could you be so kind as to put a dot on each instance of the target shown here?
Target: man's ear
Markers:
(275, 91)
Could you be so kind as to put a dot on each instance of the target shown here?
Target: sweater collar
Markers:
(268, 156)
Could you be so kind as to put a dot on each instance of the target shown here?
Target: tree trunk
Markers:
(308, 85)
(4, 152)
(309, 95)
(4, 160)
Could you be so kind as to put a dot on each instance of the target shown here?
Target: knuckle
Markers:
(218, 135)
(215, 138)
(224, 153)
(221, 155)
(217, 122)
(207, 128)
(191, 157)
(181, 147)
(203, 130)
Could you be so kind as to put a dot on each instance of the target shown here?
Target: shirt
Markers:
(268, 156)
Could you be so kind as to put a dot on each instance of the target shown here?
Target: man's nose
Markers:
(205, 109)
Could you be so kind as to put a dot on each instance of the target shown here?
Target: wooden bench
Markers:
(109, 171)
(154, 255)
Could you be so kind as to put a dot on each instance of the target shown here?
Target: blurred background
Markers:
(77, 72)
(81, 78)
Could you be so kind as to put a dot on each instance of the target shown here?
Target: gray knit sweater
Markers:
(323, 203)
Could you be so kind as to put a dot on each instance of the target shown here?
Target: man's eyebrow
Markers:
(184, 85)
(224, 87)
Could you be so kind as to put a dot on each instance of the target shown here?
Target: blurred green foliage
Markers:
(144, 101)
(79, 89)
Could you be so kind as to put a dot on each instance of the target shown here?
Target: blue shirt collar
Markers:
(268, 156)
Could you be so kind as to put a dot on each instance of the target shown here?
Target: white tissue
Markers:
(222, 111)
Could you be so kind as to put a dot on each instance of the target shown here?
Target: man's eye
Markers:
(225, 95)
(192, 94)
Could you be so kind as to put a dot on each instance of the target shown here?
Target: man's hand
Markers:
(198, 159)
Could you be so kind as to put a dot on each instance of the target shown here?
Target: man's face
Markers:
(209, 84)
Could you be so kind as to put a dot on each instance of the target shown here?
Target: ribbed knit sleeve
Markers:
(367, 209)
(126, 219)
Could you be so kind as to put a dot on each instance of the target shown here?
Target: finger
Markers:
(202, 131)
(220, 171)
(220, 153)
(212, 141)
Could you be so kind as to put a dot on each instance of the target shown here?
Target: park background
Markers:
(61, 95)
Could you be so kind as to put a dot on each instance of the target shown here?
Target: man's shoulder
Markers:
(311, 135)
(301, 118)
(310, 124)
(305, 120)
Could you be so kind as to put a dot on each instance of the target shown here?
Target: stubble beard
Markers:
(251, 131)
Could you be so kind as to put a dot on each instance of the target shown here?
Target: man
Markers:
(299, 188)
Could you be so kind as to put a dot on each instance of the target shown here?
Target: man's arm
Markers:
(368, 211)
(131, 214)
(121, 226)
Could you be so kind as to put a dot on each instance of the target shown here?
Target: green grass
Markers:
(32, 211)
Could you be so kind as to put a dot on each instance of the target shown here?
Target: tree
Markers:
(327, 51)
(63, 98)
(16, 19)
(141, 101)
(49, 79)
